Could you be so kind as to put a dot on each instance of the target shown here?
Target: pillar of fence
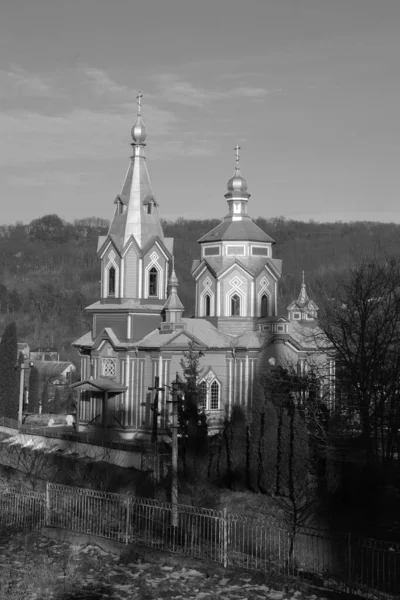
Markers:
(128, 518)
(225, 538)
(349, 562)
(47, 513)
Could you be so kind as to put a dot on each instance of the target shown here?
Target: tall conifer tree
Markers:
(9, 380)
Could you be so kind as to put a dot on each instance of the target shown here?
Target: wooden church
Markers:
(138, 328)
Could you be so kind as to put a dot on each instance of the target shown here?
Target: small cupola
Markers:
(302, 309)
(139, 131)
(237, 195)
(173, 308)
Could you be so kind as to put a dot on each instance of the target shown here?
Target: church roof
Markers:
(219, 264)
(243, 230)
(308, 335)
(202, 330)
(128, 304)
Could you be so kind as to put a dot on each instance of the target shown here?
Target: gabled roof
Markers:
(53, 368)
(242, 230)
(219, 264)
(201, 331)
(107, 334)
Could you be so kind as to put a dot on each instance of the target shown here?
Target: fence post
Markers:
(349, 566)
(48, 507)
(128, 518)
(225, 538)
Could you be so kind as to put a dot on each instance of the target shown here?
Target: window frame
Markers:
(108, 360)
(235, 302)
(264, 313)
(111, 281)
(153, 273)
(208, 387)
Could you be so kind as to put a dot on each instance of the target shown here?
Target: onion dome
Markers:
(237, 185)
(139, 131)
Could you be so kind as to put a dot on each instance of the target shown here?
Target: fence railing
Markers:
(21, 510)
(341, 562)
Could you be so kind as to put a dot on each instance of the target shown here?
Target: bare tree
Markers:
(361, 321)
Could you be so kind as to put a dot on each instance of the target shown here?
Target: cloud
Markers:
(102, 83)
(19, 82)
(31, 137)
(172, 89)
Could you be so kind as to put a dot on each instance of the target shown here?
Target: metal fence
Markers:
(21, 510)
(341, 562)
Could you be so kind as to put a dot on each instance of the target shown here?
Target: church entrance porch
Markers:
(99, 403)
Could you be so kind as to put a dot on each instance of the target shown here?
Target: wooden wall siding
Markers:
(118, 323)
(241, 375)
(131, 273)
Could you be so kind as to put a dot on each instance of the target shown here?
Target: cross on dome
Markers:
(237, 149)
(139, 103)
(138, 131)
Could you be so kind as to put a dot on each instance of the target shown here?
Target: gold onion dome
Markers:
(139, 131)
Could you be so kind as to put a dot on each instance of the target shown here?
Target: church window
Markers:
(235, 306)
(214, 396)
(111, 281)
(212, 251)
(149, 207)
(297, 316)
(207, 305)
(259, 251)
(153, 277)
(202, 398)
(209, 394)
(264, 305)
(109, 367)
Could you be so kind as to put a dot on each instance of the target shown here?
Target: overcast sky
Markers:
(309, 88)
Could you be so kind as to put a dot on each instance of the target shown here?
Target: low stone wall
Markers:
(121, 458)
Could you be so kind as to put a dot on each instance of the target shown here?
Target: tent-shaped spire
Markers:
(136, 208)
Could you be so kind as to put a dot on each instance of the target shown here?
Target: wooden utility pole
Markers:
(156, 413)
(174, 479)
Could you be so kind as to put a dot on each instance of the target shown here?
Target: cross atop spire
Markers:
(303, 283)
(237, 148)
(139, 103)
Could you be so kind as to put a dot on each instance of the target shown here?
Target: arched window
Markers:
(111, 281)
(235, 306)
(153, 276)
(214, 396)
(202, 397)
(207, 305)
(264, 305)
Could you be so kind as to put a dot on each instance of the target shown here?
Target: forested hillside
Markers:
(49, 269)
